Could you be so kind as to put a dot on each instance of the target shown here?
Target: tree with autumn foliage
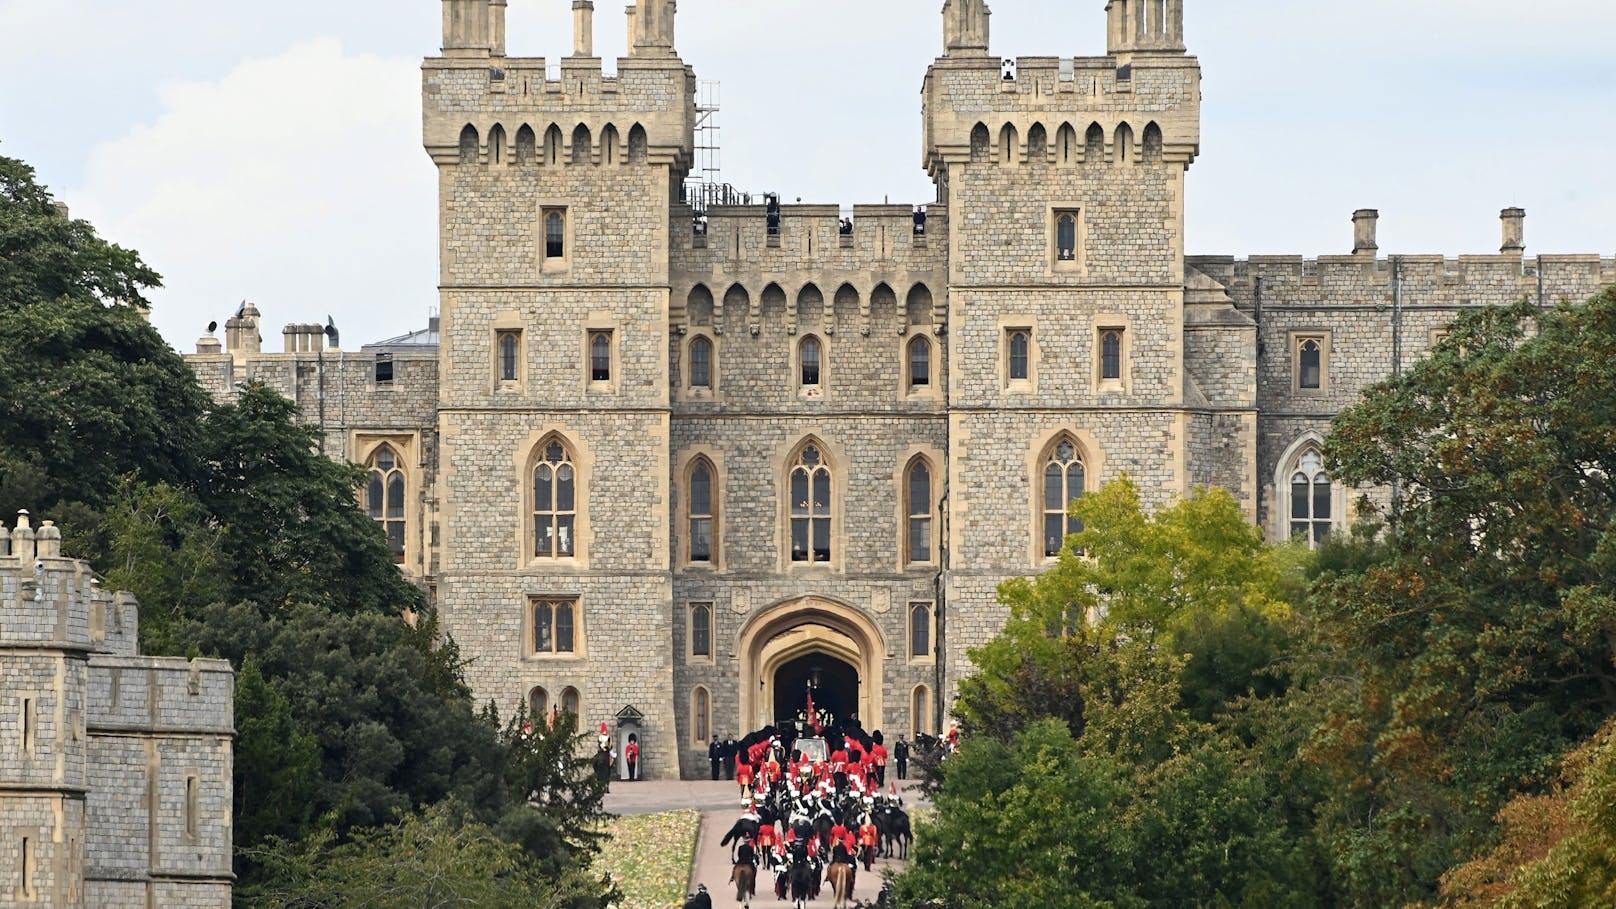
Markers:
(1456, 667)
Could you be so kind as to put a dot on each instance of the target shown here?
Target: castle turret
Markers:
(965, 27)
(474, 28)
(1144, 26)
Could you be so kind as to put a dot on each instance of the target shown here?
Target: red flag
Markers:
(812, 723)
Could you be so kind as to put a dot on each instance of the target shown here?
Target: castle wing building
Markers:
(684, 455)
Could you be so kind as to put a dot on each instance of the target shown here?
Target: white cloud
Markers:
(297, 181)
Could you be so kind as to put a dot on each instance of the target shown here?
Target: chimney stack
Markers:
(1514, 231)
(583, 28)
(1364, 223)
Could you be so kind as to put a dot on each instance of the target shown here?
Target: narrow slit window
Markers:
(701, 363)
(1310, 362)
(1066, 237)
(1111, 354)
(600, 356)
(919, 631)
(919, 363)
(701, 630)
(810, 362)
(510, 346)
(555, 234)
(1020, 342)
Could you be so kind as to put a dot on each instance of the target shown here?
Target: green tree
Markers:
(92, 392)
(277, 763)
(1479, 643)
(1092, 774)
(440, 857)
(292, 528)
(557, 797)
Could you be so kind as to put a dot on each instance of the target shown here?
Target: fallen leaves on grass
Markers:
(649, 856)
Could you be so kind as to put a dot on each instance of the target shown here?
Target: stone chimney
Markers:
(1514, 231)
(1364, 223)
(583, 28)
(49, 541)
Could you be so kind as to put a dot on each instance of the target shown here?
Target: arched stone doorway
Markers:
(782, 645)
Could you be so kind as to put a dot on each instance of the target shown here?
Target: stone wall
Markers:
(121, 777)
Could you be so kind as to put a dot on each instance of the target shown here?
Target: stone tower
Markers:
(1064, 181)
(554, 404)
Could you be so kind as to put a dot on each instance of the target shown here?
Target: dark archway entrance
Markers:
(837, 687)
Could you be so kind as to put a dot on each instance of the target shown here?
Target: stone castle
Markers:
(115, 789)
(668, 456)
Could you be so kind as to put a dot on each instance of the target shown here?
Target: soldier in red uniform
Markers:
(632, 755)
(870, 840)
(880, 754)
(743, 775)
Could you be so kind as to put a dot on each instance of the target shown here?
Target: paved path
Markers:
(720, 804)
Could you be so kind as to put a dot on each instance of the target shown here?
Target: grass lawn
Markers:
(649, 856)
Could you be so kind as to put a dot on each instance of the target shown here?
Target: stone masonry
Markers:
(602, 319)
(116, 788)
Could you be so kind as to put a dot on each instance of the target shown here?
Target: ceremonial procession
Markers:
(818, 809)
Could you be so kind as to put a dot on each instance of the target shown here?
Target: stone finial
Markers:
(48, 543)
(583, 28)
(1364, 224)
(1514, 231)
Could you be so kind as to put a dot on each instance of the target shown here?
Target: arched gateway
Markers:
(811, 640)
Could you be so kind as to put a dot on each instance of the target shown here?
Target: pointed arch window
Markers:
(469, 145)
(810, 356)
(920, 631)
(555, 504)
(510, 346)
(571, 703)
(1066, 236)
(538, 704)
(384, 497)
(920, 710)
(918, 508)
(555, 233)
(701, 631)
(1310, 358)
(1312, 494)
(1065, 479)
(811, 512)
(1020, 348)
(702, 512)
(919, 363)
(701, 362)
(701, 715)
(600, 356)
(1111, 354)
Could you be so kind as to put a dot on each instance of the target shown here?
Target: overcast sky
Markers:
(271, 150)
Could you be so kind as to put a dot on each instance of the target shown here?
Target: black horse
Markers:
(893, 825)
(803, 877)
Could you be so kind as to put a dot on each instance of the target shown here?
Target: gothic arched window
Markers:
(918, 508)
(701, 362)
(810, 362)
(920, 631)
(701, 715)
(510, 345)
(384, 497)
(1312, 496)
(1066, 237)
(919, 363)
(1111, 354)
(555, 504)
(1020, 344)
(920, 710)
(701, 511)
(571, 704)
(810, 507)
(1065, 479)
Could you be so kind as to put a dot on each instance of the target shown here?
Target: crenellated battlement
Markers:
(116, 786)
(482, 107)
(47, 601)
